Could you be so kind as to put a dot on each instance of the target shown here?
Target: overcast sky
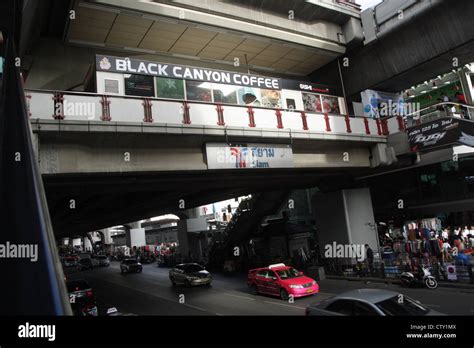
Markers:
(368, 3)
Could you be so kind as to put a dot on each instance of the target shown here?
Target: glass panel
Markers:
(224, 93)
(196, 90)
(249, 96)
(139, 85)
(312, 102)
(271, 98)
(169, 88)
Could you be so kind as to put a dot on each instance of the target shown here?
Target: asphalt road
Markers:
(151, 293)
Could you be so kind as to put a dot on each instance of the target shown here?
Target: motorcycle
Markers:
(409, 279)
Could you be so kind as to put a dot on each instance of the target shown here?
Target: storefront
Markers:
(133, 77)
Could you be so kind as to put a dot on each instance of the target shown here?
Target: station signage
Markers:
(441, 132)
(248, 156)
(142, 67)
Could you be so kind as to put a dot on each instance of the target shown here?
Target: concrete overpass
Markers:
(91, 185)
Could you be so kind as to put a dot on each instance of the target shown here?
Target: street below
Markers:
(151, 293)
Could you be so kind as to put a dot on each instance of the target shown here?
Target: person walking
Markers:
(369, 259)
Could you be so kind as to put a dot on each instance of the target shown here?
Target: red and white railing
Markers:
(81, 106)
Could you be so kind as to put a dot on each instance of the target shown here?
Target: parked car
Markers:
(84, 264)
(281, 280)
(81, 298)
(190, 274)
(102, 260)
(130, 265)
(369, 302)
(70, 260)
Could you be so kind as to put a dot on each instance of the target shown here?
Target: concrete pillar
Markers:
(468, 90)
(183, 237)
(135, 235)
(345, 217)
(87, 244)
(466, 83)
(76, 242)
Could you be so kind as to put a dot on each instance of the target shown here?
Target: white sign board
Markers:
(451, 271)
(197, 224)
(223, 156)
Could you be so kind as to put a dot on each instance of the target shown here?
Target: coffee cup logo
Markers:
(105, 64)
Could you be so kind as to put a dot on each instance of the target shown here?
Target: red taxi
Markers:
(280, 280)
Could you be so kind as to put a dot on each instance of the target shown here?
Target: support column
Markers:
(345, 217)
(183, 238)
(468, 90)
(135, 235)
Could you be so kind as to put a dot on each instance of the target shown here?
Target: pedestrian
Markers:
(369, 258)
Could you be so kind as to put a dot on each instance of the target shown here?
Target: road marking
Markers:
(281, 304)
(198, 308)
(244, 297)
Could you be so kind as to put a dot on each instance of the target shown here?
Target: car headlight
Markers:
(314, 283)
(296, 286)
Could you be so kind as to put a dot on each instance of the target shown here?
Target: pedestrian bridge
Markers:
(80, 132)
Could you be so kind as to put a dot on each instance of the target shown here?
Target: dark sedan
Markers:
(190, 274)
(84, 264)
(130, 266)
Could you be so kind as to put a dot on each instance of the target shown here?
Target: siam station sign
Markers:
(142, 67)
(248, 156)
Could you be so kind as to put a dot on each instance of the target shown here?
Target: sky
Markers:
(367, 3)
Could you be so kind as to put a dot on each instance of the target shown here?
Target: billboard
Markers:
(381, 104)
(441, 132)
(248, 156)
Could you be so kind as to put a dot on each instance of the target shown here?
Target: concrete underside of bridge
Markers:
(90, 184)
(79, 203)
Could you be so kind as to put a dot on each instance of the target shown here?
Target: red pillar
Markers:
(220, 115)
(305, 121)
(326, 119)
(105, 108)
(279, 120)
(379, 126)
(251, 116)
(366, 124)
(147, 110)
(186, 117)
(348, 123)
(401, 123)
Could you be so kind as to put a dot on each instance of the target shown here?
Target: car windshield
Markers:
(77, 285)
(130, 262)
(192, 268)
(288, 273)
(398, 305)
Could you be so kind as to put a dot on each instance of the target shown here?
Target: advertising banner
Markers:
(381, 104)
(142, 67)
(248, 156)
(441, 132)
